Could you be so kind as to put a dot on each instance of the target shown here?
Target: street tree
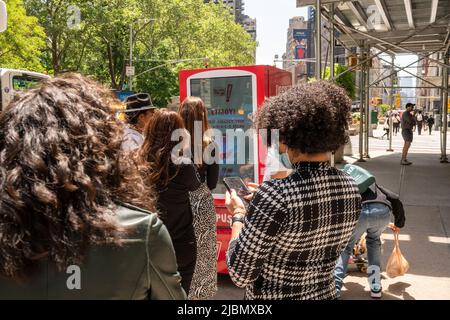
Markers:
(22, 43)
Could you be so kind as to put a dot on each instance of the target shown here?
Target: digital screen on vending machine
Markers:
(230, 107)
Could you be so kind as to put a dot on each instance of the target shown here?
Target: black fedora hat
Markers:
(138, 102)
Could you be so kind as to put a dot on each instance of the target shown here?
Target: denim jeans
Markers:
(374, 219)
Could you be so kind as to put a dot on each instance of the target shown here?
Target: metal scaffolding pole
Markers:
(318, 41)
(445, 73)
(332, 42)
(392, 44)
(331, 46)
(361, 107)
(391, 102)
(367, 106)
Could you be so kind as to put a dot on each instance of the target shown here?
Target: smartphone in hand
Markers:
(241, 188)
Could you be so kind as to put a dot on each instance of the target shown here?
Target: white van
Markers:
(16, 80)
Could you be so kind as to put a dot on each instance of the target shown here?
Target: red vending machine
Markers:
(232, 95)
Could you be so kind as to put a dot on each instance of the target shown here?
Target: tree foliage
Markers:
(346, 81)
(99, 44)
(22, 43)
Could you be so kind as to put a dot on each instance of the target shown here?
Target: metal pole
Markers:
(361, 108)
(130, 83)
(318, 40)
(367, 104)
(444, 158)
(331, 46)
(387, 49)
(332, 42)
(403, 68)
(391, 98)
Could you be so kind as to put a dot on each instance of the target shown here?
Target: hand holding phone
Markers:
(236, 183)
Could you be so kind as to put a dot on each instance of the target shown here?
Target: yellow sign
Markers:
(398, 100)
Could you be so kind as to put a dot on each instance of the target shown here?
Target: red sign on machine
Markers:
(232, 95)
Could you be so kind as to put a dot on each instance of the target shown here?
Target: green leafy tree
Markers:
(22, 43)
(346, 81)
(164, 32)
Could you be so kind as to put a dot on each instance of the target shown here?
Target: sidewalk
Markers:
(425, 241)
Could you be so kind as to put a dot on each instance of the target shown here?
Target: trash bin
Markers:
(374, 117)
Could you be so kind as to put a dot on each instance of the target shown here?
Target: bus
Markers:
(12, 81)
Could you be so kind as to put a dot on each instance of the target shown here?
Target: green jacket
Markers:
(143, 268)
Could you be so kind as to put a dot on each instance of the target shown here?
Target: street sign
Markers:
(130, 71)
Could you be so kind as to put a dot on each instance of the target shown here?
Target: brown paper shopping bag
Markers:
(397, 264)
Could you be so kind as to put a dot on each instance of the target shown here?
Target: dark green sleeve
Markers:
(162, 273)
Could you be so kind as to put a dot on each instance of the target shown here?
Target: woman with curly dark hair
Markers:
(286, 245)
(173, 177)
(71, 226)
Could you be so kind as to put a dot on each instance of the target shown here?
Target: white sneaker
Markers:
(376, 291)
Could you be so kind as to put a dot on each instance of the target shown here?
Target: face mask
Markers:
(285, 161)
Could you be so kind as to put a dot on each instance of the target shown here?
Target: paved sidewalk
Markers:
(425, 241)
(424, 188)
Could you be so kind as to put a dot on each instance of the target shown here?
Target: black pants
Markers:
(430, 128)
(396, 128)
(419, 127)
(186, 253)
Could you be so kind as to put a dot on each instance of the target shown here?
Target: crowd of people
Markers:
(81, 188)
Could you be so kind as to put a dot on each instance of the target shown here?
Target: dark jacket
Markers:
(408, 121)
(209, 173)
(176, 213)
(143, 268)
(380, 194)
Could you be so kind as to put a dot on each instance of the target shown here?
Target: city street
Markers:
(425, 240)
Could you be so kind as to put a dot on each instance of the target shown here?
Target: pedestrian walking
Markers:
(72, 206)
(195, 116)
(408, 125)
(173, 178)
(396, 122)
(430, 123)
(419, 122)
(139, 110)
(425, 122)
(386, 126)
(286, 245)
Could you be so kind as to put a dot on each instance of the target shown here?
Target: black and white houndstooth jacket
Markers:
(295, 230)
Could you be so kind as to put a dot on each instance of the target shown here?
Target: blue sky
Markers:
(272, 25)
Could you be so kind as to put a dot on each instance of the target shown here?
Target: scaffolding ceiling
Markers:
(401, 26)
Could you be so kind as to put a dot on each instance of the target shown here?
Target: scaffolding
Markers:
(419, 27)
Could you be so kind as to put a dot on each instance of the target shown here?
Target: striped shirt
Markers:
(294, 232)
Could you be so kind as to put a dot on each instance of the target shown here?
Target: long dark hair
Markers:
(61, 172)
(193, 109)
(155, 155)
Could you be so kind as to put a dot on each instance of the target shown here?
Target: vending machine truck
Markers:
(232, 95)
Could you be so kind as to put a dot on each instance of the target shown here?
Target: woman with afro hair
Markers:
(286, 245)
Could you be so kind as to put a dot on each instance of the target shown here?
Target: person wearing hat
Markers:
(408, 124)
(138, 113)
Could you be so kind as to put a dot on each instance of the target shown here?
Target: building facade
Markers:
(428, 97)
(237, 11)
